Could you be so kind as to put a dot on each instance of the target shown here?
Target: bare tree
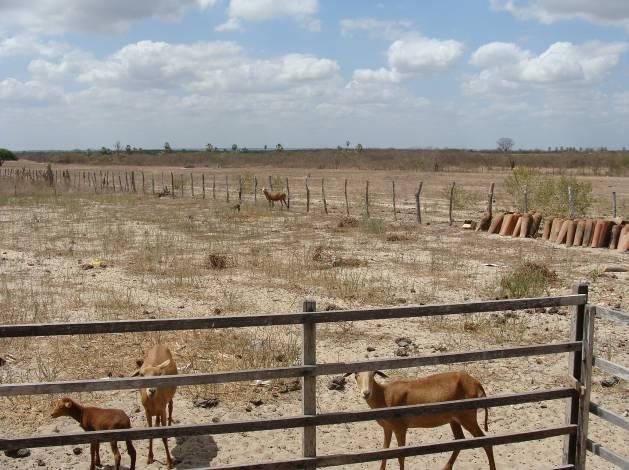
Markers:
(118, 147)
(505, 144)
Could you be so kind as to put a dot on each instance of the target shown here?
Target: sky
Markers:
(313, 73)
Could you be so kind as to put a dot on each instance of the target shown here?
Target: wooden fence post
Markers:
(586, 381)
(287, 195)
(450, 220)
(394, 208)
(570, 204)
(575, 363)
(418, 206)
(152, 183)
(307, 196)
(255, 189)
(367, 198)
(213, 186)
(239, 189)
(203, 184)
(346, 201)
(126, 182)
(270, 182)
(192, 185)
(525, 206)
(172, 184)
(143, 187)
(325, 203)
(614, 204)
(120, 182)
(227, 188)
(182, 185)
(133, 182)
(309, 389)
(490, 199)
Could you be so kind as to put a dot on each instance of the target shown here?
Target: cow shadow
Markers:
(194, 451)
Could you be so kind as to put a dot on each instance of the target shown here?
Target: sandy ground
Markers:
(428, 267)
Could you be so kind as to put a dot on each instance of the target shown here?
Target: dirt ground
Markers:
(190, 257)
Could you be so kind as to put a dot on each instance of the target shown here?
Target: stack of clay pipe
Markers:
(593, 233)
(512, 224)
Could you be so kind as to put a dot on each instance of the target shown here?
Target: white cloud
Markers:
(380, 28)
(302, 11)
(201, 67)
(507, 67)
(57, 16)
(419, 54)
(605, 12)
(376, 75)
(31, 92)
(412, 56)
(29, 45)
(232, 24)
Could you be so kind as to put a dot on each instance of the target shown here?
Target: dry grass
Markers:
(181, 257)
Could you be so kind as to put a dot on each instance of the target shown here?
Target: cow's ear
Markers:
(381, 374)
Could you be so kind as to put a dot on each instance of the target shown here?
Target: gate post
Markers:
(578, 370)
(309, 390)
(586, 383)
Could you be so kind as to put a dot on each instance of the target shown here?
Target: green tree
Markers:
(279, 148)
(359, 147)
(5, 155)
(209, 147)
(234, 147)
(167, 147)
(128, 149)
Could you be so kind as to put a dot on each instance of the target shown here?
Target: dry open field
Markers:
(161, 262)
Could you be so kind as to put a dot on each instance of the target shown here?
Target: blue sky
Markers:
(313, 73)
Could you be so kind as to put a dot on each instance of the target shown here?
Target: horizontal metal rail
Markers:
(323, 419)
(238, 321)
(606, 454)
(611, 367)
(610, 314)
(286, 372)
(408, 451)
(609, 416)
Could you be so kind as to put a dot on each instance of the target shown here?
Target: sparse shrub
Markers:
(397, 237)
(548, 194)
(372, 225)
(529, 279)
(217, 261)
(461, 198)
(347, 263)
(318, 254)
(348, 221)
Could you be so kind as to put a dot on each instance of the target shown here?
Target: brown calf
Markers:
(97, 419)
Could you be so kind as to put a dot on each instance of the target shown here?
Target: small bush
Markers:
(216, 261)
(348, 221)
(319, 254)
(526, 280)
(372, 225)
(461, 199)
(398, 237)
(6, 154)
(548, 194)
(347, 263)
